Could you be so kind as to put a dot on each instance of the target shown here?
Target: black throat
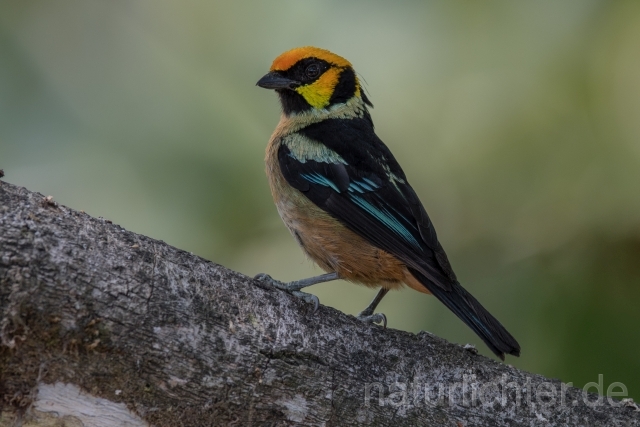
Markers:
(292, 102)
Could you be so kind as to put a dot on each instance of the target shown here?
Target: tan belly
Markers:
(330, 244)
(335, 248)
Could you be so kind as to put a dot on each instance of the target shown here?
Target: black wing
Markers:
(365, 189)
(368, 192)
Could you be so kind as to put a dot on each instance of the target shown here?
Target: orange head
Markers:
(312, 78)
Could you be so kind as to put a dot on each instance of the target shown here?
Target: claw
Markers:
(293, 290)
(310, 298)
(384, 320)
(374, 318)
(265, 278)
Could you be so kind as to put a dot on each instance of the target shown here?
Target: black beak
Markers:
(276, 81)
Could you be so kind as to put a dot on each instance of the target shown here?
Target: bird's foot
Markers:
(265, 278)
(378, 318)
(367, 315)
(293, 288)
(306, 297)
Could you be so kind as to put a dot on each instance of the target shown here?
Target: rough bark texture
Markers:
(101, 326)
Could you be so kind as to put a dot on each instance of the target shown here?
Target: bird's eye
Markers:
(312, 71)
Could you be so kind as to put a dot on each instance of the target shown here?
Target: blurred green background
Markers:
(518, 124)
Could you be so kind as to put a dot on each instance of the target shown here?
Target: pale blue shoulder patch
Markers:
(303, 149)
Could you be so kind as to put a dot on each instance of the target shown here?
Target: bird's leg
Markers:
(367, 315)
(295, 286)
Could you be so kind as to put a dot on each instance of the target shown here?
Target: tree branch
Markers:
(101, 326)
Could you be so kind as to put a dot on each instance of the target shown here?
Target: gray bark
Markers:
(102, 326)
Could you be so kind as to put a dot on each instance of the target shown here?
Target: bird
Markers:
(346, 200)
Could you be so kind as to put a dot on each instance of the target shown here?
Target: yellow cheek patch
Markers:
(318, 93)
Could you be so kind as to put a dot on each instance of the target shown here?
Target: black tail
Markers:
(469, 310)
